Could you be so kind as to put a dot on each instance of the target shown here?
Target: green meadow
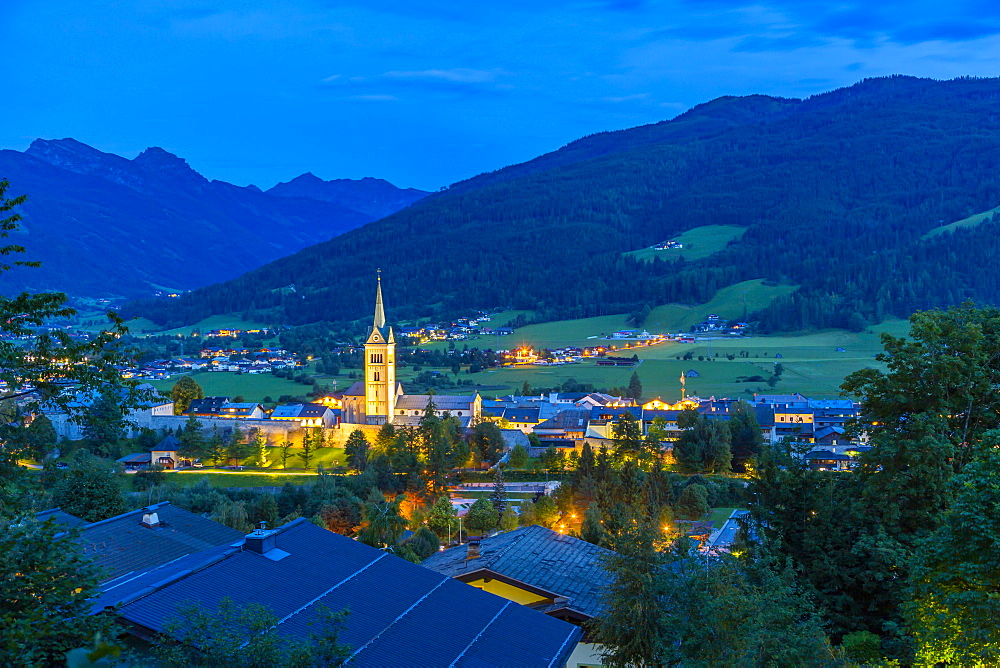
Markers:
(698, 243)
(971, 221)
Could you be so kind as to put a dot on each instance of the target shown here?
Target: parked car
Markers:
(198, 465)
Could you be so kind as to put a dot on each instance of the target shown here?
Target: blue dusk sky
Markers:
(426, 93)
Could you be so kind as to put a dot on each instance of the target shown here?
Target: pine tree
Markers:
(357, 448)
(634, 387)
(499, 495)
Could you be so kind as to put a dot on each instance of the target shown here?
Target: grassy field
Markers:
(253, 387)
(140, 326)
(728, 303)
(698, 243)
(188, 478)
(971, 221)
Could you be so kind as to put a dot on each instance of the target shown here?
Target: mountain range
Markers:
(837, 194)
(105, 225)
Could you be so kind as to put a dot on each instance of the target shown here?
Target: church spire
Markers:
(379, 311)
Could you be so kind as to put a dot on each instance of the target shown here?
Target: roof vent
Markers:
(150, 519)
(472, 550)
(262, 541)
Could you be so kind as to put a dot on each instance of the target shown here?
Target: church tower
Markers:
(380, 366)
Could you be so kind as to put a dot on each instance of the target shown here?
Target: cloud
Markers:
(626, 98)
(456, 75)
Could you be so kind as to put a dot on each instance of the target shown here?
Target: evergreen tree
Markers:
(488, 441)
(499, 495)
(356, 448)
(592, 529)
(104, 423)
(285, 452)
(634, 387)
(192, 439)
(239, 449)
(747, 439)
(307, 453)
(259, 446)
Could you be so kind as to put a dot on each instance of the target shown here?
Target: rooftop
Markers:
(399, 612)
(538, 557)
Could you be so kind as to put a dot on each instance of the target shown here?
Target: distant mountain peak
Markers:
(375, 197)
(157, 159)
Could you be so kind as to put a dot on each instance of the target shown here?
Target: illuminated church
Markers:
(379, 398)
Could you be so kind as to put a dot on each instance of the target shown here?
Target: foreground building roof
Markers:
(399, 613)
(567, 569)
(127, 545)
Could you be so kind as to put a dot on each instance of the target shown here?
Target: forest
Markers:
(837, 193)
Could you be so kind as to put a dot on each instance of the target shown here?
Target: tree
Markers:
(747, 438)
(488, 441)
(41, 437)
(592, 529)
(545, 512)
(239, 449)
(307, 453)
(246, 636)
(383, 522)
(38, 369)
(91, 488)
(184, 391)
(704, 445)
(639, 623)
(482, 516)
(626, 433)
(192, 439)
(443, 519)
(634, 387)
(104, 423)
(217, 448)
(148, 478)
(518, 457)
(953, 610)
(509, 519)
(693, 502)
(259, 447)
(499, 496)
(284, 452)
(356, 449)
(46, 587)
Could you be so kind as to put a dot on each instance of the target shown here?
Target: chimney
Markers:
(472, 549)
(150, 519)
(260, 541)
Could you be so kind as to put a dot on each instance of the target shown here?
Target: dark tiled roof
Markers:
(399, 613)
(570, 419)
(207, 405)
(827, 456)
(121, 545)
(60, 517)
(355, 390)
(519, 414)
(540, 558)
(169, 442)
(313, 410)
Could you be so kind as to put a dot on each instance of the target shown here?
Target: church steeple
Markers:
(379, 310)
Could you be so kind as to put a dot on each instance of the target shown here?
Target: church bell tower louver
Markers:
(380, 366)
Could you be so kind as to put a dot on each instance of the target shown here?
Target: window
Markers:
(376, 377)
(376, 358)
(459, 413)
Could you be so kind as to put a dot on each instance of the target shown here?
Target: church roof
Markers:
(355, 390)
(443, 402)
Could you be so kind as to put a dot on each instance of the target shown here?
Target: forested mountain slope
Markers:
(836, 192)
(102, 224)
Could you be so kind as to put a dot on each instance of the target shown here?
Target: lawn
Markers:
(728, 303)
(140, 326)
(698, 243)
(191, 477)
(718, 516)
(971, 221)
(253, 387)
